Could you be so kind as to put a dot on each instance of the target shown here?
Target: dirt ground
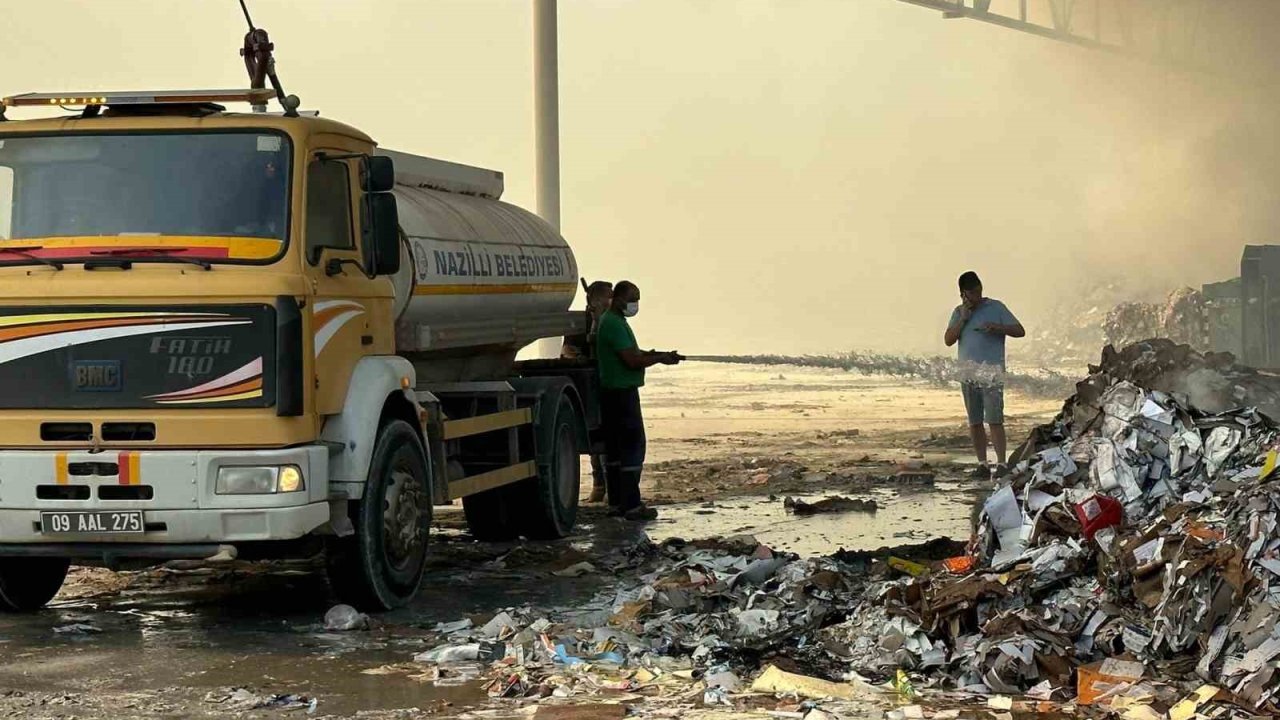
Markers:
(728, 445)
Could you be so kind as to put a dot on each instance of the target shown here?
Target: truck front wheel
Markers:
(27, 584)
(380, 566)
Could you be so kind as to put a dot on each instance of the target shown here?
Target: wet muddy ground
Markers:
(728, 445)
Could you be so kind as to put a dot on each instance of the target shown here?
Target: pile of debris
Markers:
(708, 610)
(1136, 539)
(1183, 317)
(717, 622)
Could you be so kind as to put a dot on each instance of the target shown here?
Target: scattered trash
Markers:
(1098, 513)
(77, 629)
(773, 680)
(345, 617)
(834, 504)
(911, 568)
(453, 627)
(902, 685)
(242, 699)
(724, 679)
(594, 711)
(576, 570)
(1101, 678)
(449, 654)
(1190, 707)
(1000, 702)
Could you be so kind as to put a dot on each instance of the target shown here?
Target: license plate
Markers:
(94, 523)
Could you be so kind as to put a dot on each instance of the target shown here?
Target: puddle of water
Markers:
(900, 519)
(201, 649)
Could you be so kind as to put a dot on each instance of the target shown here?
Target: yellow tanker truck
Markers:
(253, 335)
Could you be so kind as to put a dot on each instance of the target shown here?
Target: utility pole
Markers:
(546, 127)
(546, 109)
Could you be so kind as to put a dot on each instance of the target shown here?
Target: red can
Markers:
(1098, 512)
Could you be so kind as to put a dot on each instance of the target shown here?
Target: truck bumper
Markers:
(174, 489)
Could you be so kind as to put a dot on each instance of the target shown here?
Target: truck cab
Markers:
(207, 351)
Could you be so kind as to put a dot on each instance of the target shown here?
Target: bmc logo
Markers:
(96, 375)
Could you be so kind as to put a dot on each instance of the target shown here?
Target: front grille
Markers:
(101, 469)
(62, 492)
(128, 431)
(125, 492)
(66, 431)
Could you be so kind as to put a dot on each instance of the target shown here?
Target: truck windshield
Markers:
(216, 196)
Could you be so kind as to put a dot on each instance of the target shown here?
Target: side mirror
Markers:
(380, 229)
(377, 174)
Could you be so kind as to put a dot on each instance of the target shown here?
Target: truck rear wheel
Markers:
(492, 515)
(380, 566)
(543, 507)
(28, 584)
(551, 506)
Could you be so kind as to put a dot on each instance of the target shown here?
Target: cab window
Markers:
(328, 208)
(6, 201)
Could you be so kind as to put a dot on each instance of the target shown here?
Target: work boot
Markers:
(982, 472)
(597, 494)
(641, 513)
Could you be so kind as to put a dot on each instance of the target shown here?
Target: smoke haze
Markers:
(794, 177)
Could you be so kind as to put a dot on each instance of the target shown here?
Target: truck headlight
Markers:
(290, 480)
(258, 480)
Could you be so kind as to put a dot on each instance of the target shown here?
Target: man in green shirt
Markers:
(622, 364)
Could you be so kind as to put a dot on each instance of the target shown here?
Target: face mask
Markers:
(631, 310)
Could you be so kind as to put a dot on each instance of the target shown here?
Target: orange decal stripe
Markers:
(493, 289)
(30, 331)
(222, 398)
(250, 384)
(326, 315)
(50, 318)
(60, 468)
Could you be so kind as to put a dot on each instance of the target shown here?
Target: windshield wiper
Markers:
(26, 253)
(156, 255)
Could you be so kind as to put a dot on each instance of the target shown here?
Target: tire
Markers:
(492, 515)
(28, 584)
(380, 566)
(540, 508)
(551, 500)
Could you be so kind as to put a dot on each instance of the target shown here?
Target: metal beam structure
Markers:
(1211, 36)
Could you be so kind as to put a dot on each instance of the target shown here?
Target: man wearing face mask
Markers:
(622, 364)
